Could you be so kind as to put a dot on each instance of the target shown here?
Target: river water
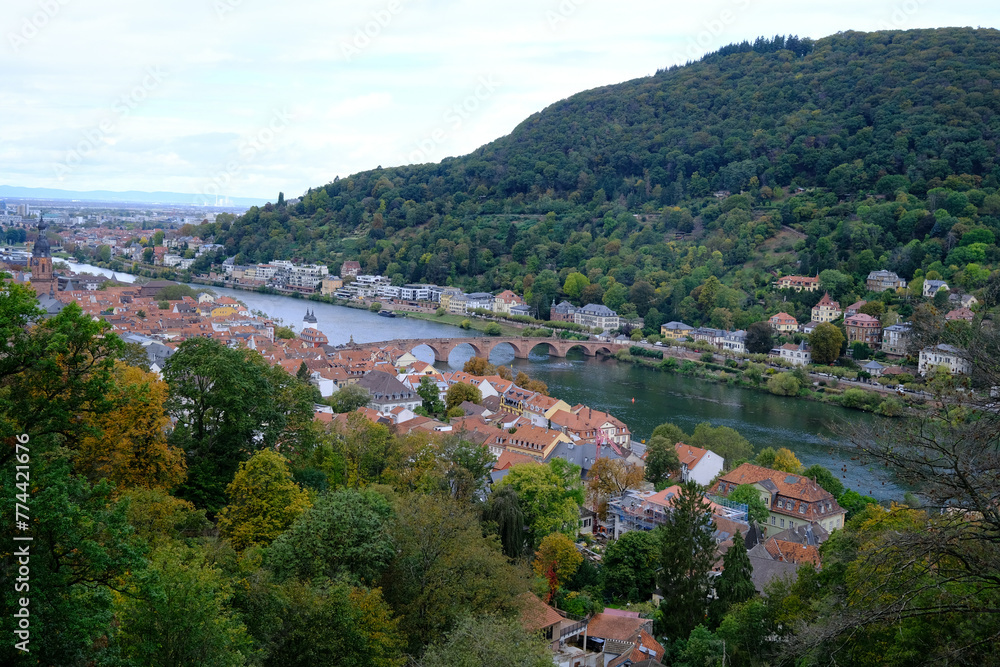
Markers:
(805, 427)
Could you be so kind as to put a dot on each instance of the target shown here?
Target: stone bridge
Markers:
(483, 346)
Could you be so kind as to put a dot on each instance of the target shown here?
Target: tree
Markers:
(550, 501)
(184, 617)
(444, 569)
(687, 554)
(503, 513)
(785, 461)
(460, 392)
(722, 440)
(263, 501)
(825, 479)
(479, 367)
(826, 341)
(284, 333)
(750, 496)
(556, 560)
(430, 394)
(662, 460)
(492, 329)
(574, 285)
(735, 584)
(488, 641)
(227, 403)
(783, 384)
(628, 571)
(760, 338)
(346, 536)
(132, 449)
(349, 398)
(613, 477)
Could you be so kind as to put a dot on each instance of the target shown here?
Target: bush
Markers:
(669, 365)
(859, 399)
(440, 312)
(492, 329)
(637, 351)
(375, 307)
(707, 357)
(466, 324)
(783, 384)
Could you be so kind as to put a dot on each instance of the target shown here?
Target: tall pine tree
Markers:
(735, 584)
(687, 553)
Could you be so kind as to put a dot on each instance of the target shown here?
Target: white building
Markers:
(735, 342)
(797, 355)
(700, 465)
(932, 287)
(948, 356)
(597, 316)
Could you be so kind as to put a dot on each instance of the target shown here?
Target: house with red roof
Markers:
(700, 465)
(783, 322)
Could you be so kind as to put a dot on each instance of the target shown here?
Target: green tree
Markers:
(661, 459)
(263, 501)
(430, 395)
(284, 333)
(444, 569)
(783, 384)
(503, 513)
(766, 457)
(735, 584)
(492, 329)
(183, 617)
(550, 501)
(687, 554)
(826, 341)
(749, 495)
(227, 403)
(574, 285)
(346, 536)
(488, 641)
(760, 338)
(724, 441)
(349, 398)
(616, 296)
(628, 571)
(460, 392)
(826, 479)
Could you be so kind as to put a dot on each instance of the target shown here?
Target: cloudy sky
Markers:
(249, 97)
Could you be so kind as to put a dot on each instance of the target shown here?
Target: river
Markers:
(805, 427)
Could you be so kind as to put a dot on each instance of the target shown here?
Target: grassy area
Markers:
(477, 324)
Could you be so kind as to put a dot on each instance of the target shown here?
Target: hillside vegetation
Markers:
(879, 149)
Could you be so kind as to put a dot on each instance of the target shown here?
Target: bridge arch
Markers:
(553, 349)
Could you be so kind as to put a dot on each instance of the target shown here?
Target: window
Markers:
(781, 503)
(802, 508)
(773, 521)
(782, 523)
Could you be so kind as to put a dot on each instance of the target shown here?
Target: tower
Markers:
(309, 320)
(41, 263)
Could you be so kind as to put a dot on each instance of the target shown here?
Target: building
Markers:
(932, 287)
(387, 393)
(504, 301)
(948, 356)
(350, 268)
(854, 308)
(827, 310)
(799, 283)
(42, 279)
(863, 328)
(783, 323)
(960, 314)
(700, 465)
(597, 317)
(330, 285)
(735, 342)
(562, 312)
(709, 335)
(589, 424)
(896, 339)
(675, 330)
(791, 500)
(880, 281)
(797, 355)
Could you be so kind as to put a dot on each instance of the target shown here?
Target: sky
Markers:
(246, 98)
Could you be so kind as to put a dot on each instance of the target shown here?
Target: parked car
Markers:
(658, 344)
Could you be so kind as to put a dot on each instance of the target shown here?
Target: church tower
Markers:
(42, 279)
(309, 320)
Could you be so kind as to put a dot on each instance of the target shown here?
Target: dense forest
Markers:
(856, 152)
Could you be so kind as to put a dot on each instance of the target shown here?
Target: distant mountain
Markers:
(133, 196)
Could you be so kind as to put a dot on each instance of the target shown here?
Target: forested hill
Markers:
(896, 114)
